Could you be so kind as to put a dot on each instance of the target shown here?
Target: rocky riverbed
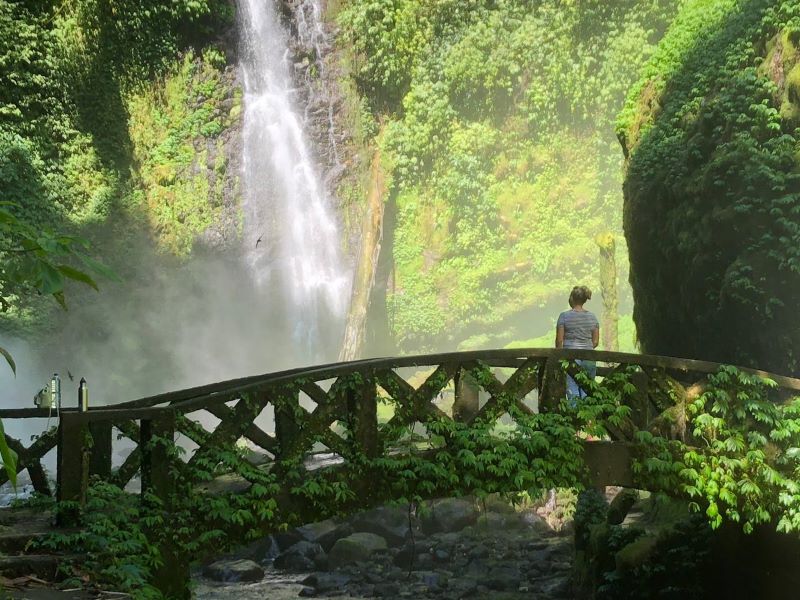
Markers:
(454, 548)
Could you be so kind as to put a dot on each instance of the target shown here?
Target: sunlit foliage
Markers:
(712, 188)
(73, 147)
(499, 137)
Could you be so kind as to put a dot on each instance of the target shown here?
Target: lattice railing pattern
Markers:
(335, 407)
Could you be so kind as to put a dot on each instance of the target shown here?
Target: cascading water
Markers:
(291, 237)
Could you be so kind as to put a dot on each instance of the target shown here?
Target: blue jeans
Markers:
(574, 391)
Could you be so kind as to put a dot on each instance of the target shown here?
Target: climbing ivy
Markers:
(78, 151)
(738, 462)
(712, 187)
(742, 462)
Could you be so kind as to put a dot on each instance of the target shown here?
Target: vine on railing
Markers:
(721, 440)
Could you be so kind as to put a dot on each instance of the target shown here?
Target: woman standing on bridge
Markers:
(578, 328)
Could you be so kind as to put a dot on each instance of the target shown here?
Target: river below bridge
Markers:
(459, 550)
(275, 586)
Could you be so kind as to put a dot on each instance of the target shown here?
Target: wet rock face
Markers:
(317, 74)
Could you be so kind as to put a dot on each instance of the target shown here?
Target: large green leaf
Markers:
(77, 275)
(9, 457)
(50, 279)
(5, 353)
(99, 268)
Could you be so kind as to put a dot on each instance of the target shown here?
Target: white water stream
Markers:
(291, 237)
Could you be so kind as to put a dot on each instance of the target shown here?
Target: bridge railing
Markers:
(359, 408)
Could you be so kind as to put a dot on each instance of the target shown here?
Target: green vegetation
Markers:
(498, 140)
(102, 129)
(112, 118)
(742, 463)
(37, 261)
(712, 186)
(176, 128)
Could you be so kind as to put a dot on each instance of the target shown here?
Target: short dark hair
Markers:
(579, 295)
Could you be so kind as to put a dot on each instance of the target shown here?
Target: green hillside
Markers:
(498, 137)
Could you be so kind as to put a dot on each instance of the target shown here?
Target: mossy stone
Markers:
(636, 553)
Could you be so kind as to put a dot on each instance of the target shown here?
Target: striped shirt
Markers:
(578, 326)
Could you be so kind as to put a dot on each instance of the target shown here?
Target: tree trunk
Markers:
(371, 238)
(608, 288)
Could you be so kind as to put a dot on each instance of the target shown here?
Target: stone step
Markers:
(13, 543)
(43, 566)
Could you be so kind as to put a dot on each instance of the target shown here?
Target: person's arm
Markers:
(595, 337)
(560, 336)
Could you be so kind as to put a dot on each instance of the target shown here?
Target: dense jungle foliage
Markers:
(712, 187)
(112, 118)
(496, 124)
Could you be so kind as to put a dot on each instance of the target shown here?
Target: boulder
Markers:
(432, 580)
(325, 533)
(355, 547)
(620, 505)
(313, 531)
(233, 571)
(328, 539)
(557, 586)
(287, 539)
(636, 553)
(326, 582)
(536, 523)
(503, 578)
(302, 556)
(449, 514)
(259, 551)
(307, 592)
(389, 522)
(491, 521)
(387, 590)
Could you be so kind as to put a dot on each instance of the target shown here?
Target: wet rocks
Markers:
(450, 552)
(389, 522)
(234, 570)
(354, 548)
(449, 514)
(302, 557)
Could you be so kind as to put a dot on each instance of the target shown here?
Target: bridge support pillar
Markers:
(100, 457)
(609, 463)
(552, 385)
(362, 410)
(286, 426)
(466, 403)
(156, 438)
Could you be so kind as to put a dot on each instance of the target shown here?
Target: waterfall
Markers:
(291, 236)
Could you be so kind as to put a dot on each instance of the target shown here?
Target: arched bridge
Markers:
(366, 408)
(408, 427)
